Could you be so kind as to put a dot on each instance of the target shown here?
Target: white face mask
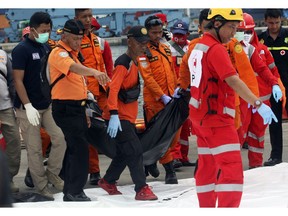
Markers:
(239, 36)
(248, 38)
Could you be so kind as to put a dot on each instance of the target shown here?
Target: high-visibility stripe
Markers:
(184, 142)
(205, 188)
(229, 187)
(255, 149)
(272, 65)
(278, 48)
(253, 136)
(201, 47)
(229, 111)
(225, 148)
(219, 150)
(204, 151)
(193, 102)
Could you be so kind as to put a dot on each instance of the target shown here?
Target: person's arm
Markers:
(18, 76)
(241, 89)
(85, 71)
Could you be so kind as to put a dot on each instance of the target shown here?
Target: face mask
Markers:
(180, 39)
(42, 38)
(248, 38)
(239, 36)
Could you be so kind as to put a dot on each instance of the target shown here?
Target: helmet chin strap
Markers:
(218, 29)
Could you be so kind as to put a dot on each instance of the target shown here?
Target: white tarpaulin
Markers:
(265, 187)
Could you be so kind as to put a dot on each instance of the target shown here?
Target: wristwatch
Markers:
(257, 103)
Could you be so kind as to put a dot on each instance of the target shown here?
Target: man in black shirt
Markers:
(276, 39)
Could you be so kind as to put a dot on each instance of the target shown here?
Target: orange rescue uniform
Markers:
(158, 73)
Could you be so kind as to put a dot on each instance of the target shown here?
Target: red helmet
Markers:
(247, 23)
(95, 24)
(162, 17)
(25, 31)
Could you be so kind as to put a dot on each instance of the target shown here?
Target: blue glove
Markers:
(166, 99)
(175, 94)
(114, 125)
(266, 113)
(277, 93)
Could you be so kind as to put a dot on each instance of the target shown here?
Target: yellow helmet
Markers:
(231, 14)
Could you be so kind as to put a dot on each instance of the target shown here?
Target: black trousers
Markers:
(275, 130)
(71, 118)
(129, 153)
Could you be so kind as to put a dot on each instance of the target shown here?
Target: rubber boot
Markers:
(170, 177)
(152, 170)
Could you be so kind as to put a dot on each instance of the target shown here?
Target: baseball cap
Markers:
(180, 27)
(139, 33)
(74, 27)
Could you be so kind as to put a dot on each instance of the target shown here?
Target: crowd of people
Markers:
(237, 82)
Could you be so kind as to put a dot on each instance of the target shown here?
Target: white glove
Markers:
(267, 114)
(277, 93)
(176, 95)
(90, 97)
(166, 99)
(32, 114)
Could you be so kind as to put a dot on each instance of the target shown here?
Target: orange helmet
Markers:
(25, 31)
(247, 23)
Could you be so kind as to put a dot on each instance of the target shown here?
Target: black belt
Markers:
(71, 102)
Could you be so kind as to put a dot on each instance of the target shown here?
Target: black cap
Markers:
(139, 33)
(74, 27)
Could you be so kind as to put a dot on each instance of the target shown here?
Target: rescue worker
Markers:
(179, 46)
(267, 84)
(167, 35)
(121, 114)
(33, 110)
(92, 54)
(275, 38)
(160, 80)
(219, 176)
(69, 97)
(105, 48)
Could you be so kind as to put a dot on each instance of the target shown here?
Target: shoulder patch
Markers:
(238, 48)
(64, 54)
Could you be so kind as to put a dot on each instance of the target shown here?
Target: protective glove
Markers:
(113, 126)
(266, 113)
(32, 114)
(277, 93)
(166, 99)
(167, 34)
(175, 94)
(90, 97)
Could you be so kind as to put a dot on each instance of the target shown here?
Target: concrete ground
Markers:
(182, 173)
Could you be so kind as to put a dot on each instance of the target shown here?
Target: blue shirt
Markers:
(27, 56)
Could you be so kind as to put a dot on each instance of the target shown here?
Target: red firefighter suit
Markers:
(212, 112)
(266, 79)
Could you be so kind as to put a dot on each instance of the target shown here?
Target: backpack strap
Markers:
(2, 73)
(176, 47)
(62, 75)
